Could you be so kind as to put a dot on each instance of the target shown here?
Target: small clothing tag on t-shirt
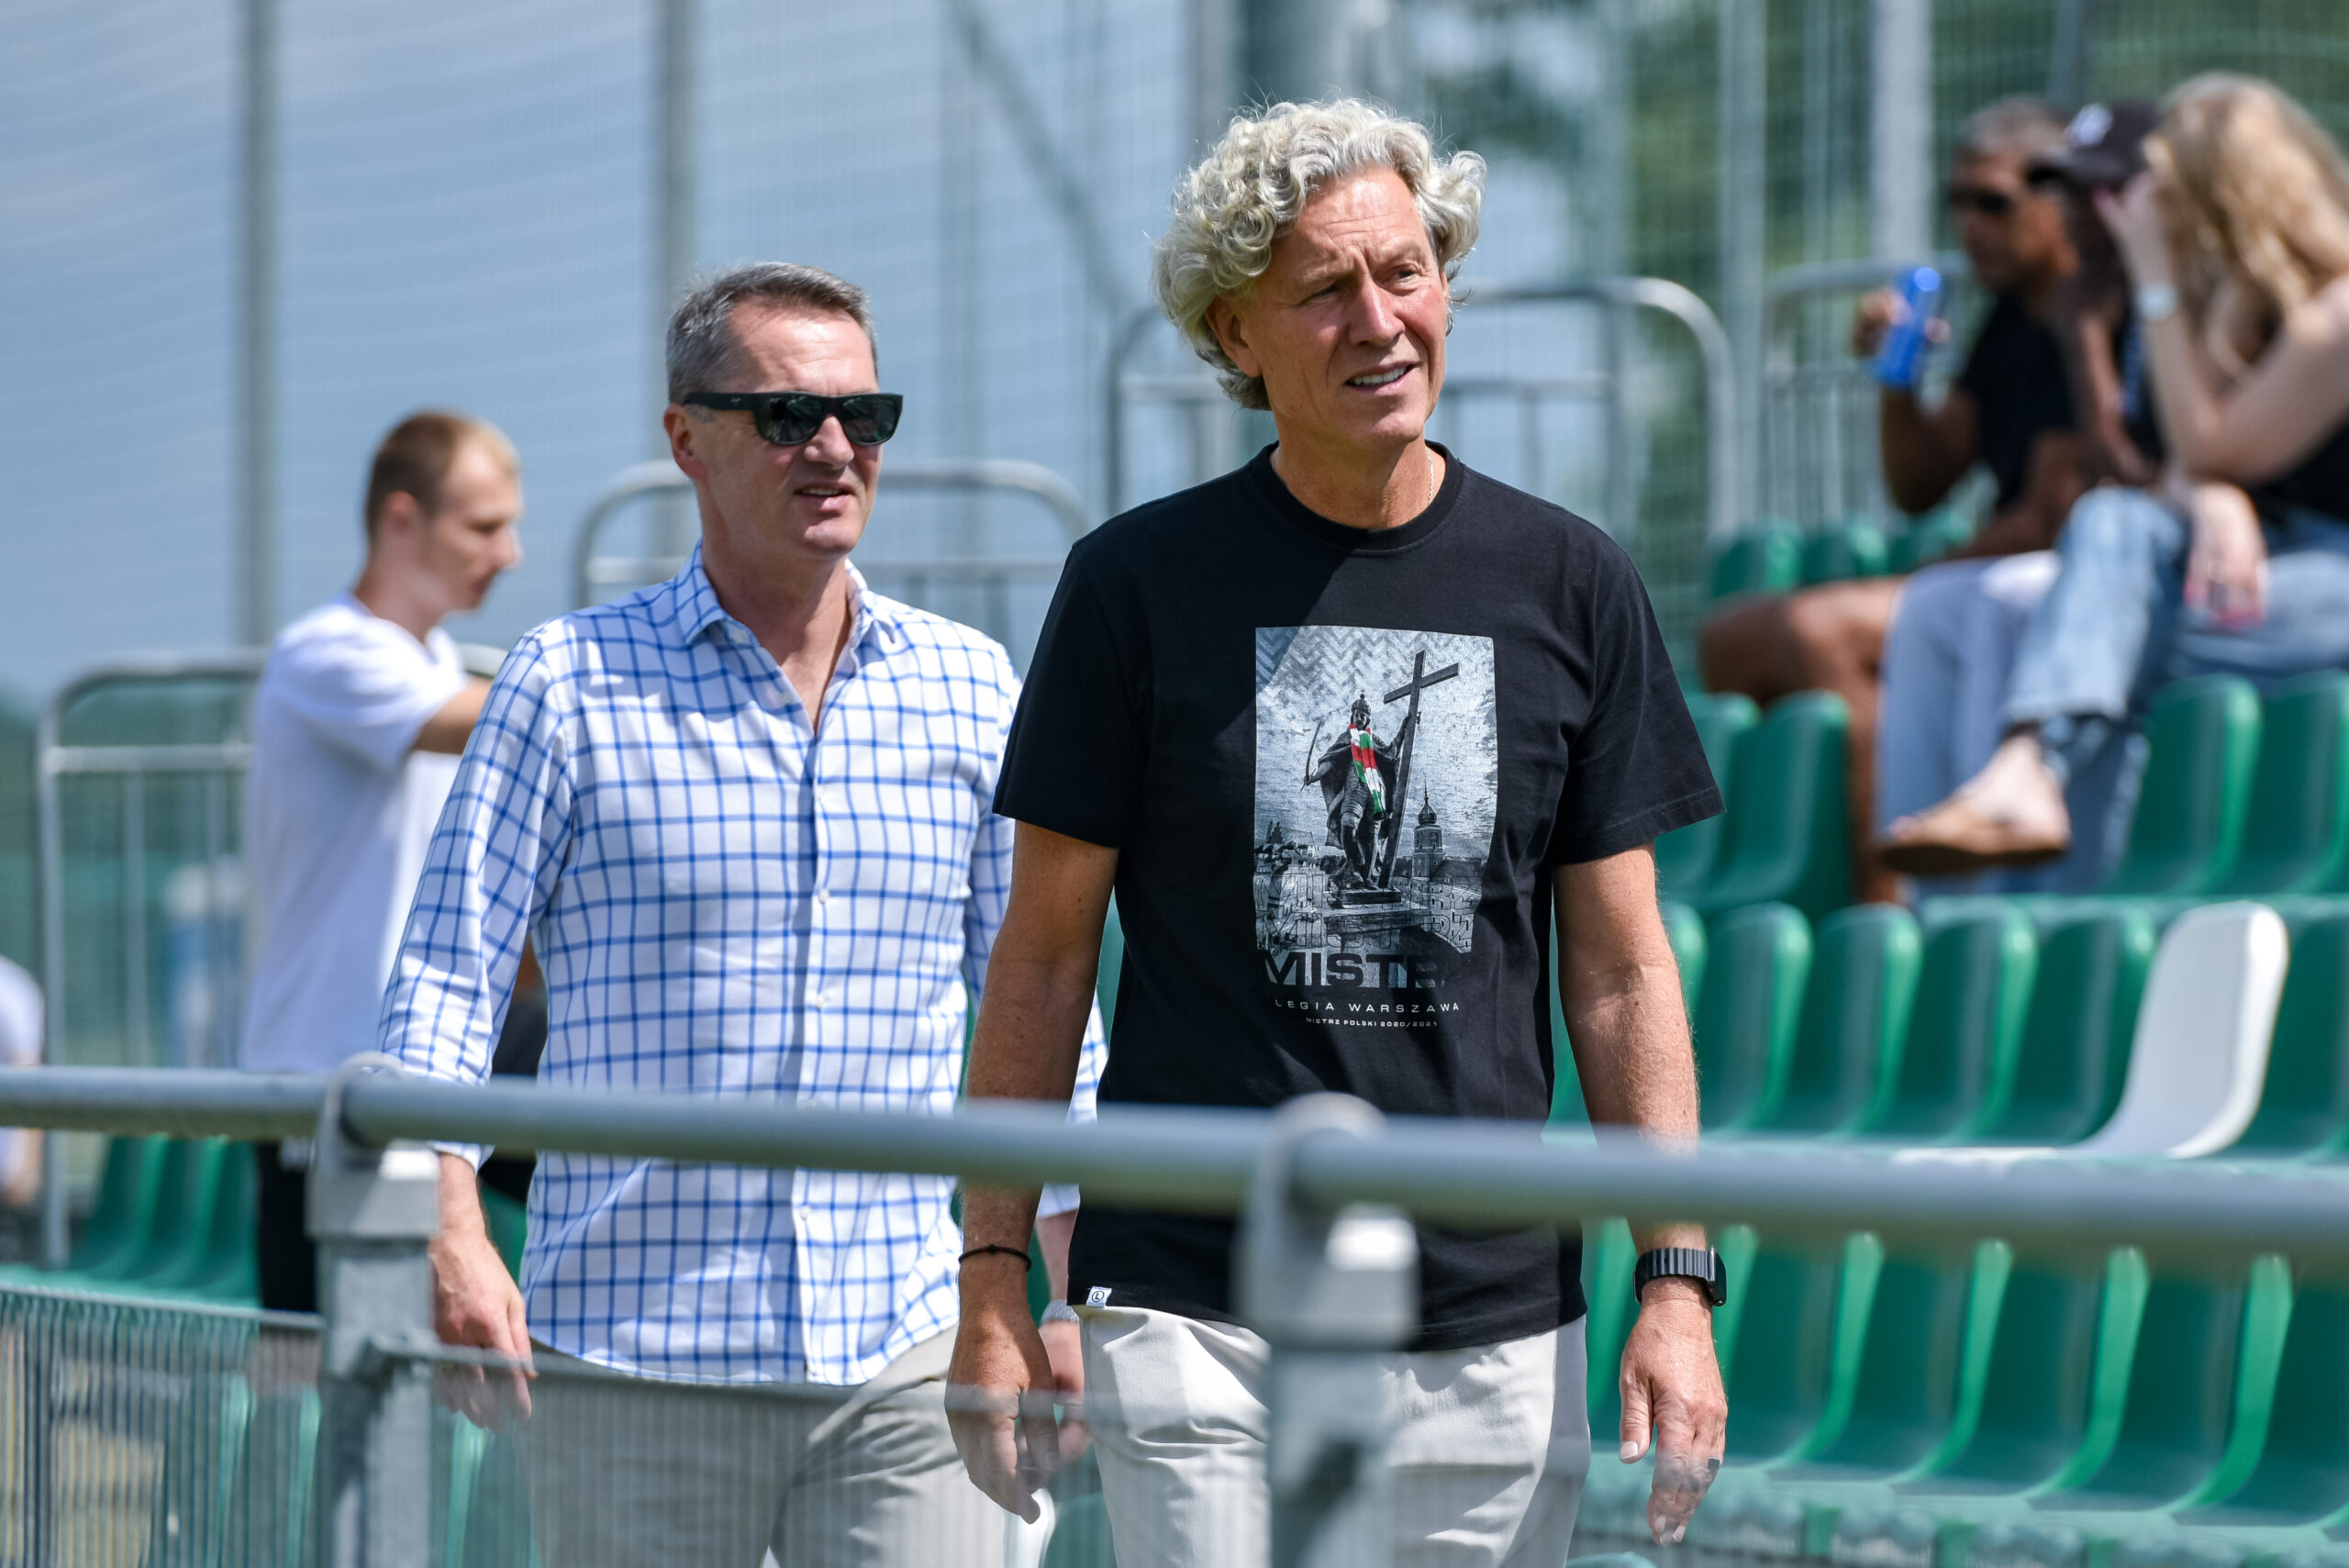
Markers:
(1097, 1296)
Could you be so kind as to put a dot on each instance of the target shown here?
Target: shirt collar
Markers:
(878, 627)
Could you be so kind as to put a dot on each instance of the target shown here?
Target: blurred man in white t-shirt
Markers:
(20, 1014)
(357, 725)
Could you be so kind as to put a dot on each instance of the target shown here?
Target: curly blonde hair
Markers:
(2257, 192)
(1248, 192)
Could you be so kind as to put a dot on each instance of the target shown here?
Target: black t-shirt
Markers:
(2015, 375)
(1337, 764)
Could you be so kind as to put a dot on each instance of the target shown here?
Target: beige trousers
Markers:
(1487, 1446)
(637, 1472)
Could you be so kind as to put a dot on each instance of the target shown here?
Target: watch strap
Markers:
(1700, 1263)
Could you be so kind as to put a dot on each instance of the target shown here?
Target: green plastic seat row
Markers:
(1777, 557)
(173, 1219)
(1870, 1386)
(1783, 838)
(1982, 1030)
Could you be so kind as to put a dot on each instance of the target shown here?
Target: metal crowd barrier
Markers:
(197, 783)
(110, 1431)
(596, 576)
(1211, 418)
(1818, 401)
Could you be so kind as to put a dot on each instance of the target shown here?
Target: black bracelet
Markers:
(1020, 1252)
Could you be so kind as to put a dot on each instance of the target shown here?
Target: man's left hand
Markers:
(1672, 1388)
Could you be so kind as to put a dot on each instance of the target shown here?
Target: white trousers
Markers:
(635, 1472)
(1487, 1446)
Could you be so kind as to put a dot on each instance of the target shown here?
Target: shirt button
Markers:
(822, 897)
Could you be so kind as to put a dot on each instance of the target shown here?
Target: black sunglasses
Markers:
(1989, 204)
(789, 418)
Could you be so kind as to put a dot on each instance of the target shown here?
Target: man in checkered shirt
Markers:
(747, 816)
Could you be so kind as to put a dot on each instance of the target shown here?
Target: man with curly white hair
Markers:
(1343, 730)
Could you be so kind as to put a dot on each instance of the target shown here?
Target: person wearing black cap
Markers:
(2007, 411)
(1952, 645)
(2238, 563)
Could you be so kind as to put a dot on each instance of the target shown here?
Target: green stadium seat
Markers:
(2183, 838)
(2202, 1370)
(1767, 558)
(510, 1227)
(2295, 826)
(1929, 1318)
(205, 1423)
(1953, 1071)
(191, 1177)
(1757, 963)
(467, 1445)
(228, 1270)
(1684, 857)
(1839, 551)
(1081, 1536)
(129, 1185)
(215, 1257)
(1783, 839)
(274, 1479)
(1112, 965)
(1855, 1009)
(2303, 1475)
(2074, 1056)
(2048, 1383)
(1789, 1338)
(2304, 1101)
(1685, 928)
(1926, 539)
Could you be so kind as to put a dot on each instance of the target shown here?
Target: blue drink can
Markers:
(1902, 358)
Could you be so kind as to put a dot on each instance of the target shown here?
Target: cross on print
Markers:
(1421, 679)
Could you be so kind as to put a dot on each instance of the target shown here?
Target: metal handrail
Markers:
(1471, 1172)
(1010, 475)
(1652, 294)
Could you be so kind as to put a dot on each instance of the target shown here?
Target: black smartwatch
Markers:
(1700, 1263)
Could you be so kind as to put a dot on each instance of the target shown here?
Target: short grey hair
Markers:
(2018, 127)
(1249, 191)
(701, 350)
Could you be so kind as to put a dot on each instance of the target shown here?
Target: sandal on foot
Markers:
(1954, 839)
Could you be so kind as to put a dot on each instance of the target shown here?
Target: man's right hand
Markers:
(475, 1303)
(999, 1389)
(1877, 311)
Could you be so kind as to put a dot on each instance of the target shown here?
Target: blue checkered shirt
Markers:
(726, 905)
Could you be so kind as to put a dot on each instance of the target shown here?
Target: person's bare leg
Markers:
(2012, 813)
(1839, 630)
(1749, 647)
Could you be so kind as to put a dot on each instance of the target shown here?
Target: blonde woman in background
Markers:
(2236, 241)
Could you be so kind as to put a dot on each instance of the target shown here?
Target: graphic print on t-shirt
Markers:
(1377, 766)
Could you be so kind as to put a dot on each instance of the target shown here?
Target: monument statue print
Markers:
(1368, 724)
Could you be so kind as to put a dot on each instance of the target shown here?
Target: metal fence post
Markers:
(371, 1212)
(1329, 1292)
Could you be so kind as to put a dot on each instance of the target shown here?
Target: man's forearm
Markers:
(1054, 1232)
(1629, 1032)
(461, 1212)
(1921, 462)
(1031, 1034)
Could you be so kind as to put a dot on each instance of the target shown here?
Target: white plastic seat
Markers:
(2199, 1056)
